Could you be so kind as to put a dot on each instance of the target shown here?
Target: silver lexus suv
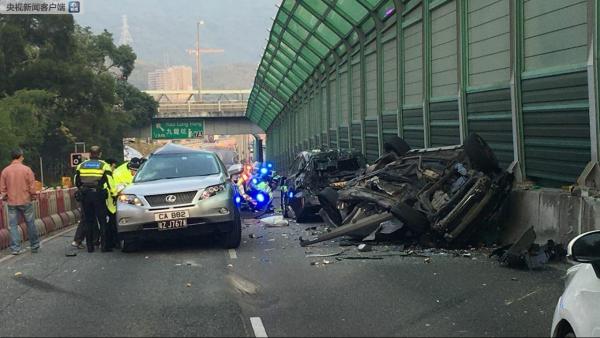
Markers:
(179, 191)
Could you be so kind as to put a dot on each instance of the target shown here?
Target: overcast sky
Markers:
(163, 29)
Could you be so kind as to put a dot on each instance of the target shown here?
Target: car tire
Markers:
(130, 245)
(396, 145)
(414, 220)
(480, 154)
(328, 198)
(233, 238)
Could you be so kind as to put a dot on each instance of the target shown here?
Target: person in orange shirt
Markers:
(17, 188)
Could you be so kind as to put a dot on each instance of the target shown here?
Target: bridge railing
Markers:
(192, 107)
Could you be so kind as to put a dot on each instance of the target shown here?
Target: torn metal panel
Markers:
(370, 222)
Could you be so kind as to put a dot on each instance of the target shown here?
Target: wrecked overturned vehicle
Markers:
(440, 197)
(313, 171)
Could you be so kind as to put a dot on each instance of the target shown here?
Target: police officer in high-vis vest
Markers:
(94, 180)
(123, 174)
(111, 206)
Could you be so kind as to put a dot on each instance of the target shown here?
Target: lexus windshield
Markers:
(170, 166)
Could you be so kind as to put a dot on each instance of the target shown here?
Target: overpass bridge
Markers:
(222, 112)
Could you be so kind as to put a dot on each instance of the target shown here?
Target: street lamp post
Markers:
(198, 61)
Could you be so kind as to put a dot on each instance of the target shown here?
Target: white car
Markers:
(577, 313)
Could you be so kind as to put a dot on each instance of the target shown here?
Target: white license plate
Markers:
(170, 215)
(172, 224)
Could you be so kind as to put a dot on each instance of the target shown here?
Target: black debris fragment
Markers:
(525, 253)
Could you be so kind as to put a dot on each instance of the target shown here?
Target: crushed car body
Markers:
(313, 171)
(443, 196)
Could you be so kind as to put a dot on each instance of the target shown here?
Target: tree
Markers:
(60, 84)
(23, 116)
(139, 105)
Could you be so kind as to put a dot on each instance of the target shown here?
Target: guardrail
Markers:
(54, 209)
(220, 106)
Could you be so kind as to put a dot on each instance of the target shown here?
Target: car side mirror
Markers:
(585, 248)
(235, 169)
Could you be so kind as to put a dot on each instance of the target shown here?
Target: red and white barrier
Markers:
(54, 209)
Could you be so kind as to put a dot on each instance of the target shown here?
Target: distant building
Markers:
(179, 78)
(157, 80)
(172, 78)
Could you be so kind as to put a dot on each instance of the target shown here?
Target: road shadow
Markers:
(201, 243)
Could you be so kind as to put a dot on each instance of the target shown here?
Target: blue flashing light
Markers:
(238, 199)
(264, 171)
(254, 181)
(291, 194)
(260, 197)
(269, 165)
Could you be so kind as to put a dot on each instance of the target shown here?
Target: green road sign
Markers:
(172, 129)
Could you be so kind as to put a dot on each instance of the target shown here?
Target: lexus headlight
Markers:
(130, 199)
(212, 191)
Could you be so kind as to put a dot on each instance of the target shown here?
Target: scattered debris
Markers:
(314, 263)
(146, 257)
(326, 255)
(310, 228)
(524, 253)
(189, 285)
(275, 221)
(364, 248)
(427, 260)
(362, 257)
(230, 265)
(326, 262)
(254, 236)
(18, 274)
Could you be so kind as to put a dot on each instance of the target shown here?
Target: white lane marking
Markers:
(232, 254)
(520, 299)
(58, 234)
(257, 326)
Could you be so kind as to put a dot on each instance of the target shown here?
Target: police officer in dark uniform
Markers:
(94, 180)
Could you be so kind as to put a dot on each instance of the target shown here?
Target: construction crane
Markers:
(197, 52)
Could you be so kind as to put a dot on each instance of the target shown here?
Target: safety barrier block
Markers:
(71, 215)
(43, 205)
(57, 221)
(60, 201)
(52, 207)
(4, 238)
(40, 226)
(36, 208)
(65, 219)
(49, 223)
